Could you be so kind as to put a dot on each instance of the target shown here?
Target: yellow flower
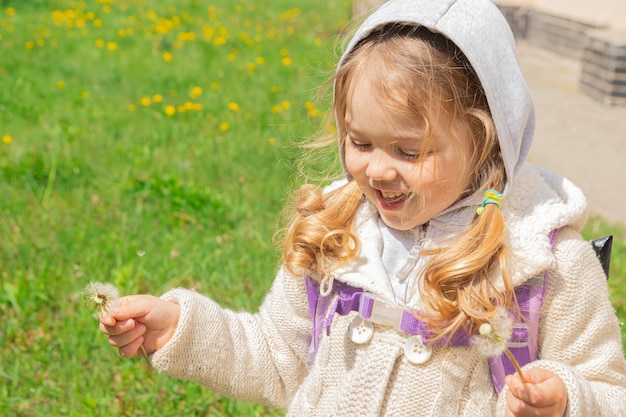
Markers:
(287, 61)
(195, 92)
(285, 105)
(10, 11)
(112, 46)
(260, 60)
(132, 107)
(7, 139)
(145, 101)
(224, 126)
(170, 110)
(232, 106)
(215, 86)
(99, 43)
(167, 56)
(314, 112)
(276, 109)
(60, 84)
(157, 98)
(272, 141)
(84, 94)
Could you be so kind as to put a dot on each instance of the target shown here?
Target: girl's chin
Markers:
(395, 222)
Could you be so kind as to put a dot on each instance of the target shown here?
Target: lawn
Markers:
(151, 145)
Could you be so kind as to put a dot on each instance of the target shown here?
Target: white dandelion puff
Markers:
(100, 296)
(493, 337)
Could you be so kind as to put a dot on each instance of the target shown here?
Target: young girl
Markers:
(437, 223)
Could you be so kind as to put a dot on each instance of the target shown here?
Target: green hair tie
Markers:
(490, 197)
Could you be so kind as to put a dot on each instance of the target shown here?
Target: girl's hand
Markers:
(544, 394)
(139, 320)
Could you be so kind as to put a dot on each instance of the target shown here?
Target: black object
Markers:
(603, 246)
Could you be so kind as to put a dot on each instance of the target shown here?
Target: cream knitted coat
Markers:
(263, 357)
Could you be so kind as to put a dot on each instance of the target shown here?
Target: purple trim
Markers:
(529, 298)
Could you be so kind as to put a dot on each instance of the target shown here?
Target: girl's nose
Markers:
(381, 166)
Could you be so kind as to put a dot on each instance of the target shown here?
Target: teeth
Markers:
(391, 196)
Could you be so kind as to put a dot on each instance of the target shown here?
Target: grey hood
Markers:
(478, 28)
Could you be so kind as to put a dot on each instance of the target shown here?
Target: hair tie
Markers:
(490, 197)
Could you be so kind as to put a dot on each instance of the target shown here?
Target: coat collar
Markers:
(537, 203)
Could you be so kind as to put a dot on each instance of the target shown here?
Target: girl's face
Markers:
(383, 153)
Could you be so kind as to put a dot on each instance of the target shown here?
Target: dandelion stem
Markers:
(145, 357)
(509, 355)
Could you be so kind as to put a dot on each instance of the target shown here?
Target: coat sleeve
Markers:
(255, 357)
(579, 336)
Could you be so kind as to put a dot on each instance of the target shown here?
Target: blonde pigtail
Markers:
(320, 235)
(458, 290)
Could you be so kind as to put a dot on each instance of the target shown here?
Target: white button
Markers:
(415, 350)
(360, 330)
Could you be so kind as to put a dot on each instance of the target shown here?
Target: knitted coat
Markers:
(263, 357)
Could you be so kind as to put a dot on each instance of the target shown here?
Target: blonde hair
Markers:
(456, 289)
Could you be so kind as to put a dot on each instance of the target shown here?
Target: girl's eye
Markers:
(361, 146)
(408, 155)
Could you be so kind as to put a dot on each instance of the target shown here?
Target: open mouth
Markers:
(391, 200)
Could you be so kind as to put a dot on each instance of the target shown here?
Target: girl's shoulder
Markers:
(538, 202)
(541, 200)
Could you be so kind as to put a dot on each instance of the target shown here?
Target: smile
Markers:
(391, 200)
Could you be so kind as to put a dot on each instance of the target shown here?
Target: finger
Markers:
(131, 306)
(119, 327)
(538, 375)
(107, 320)
(546, 397)
(543, 388)
(515, 406)
(127, 338)
(132, 349)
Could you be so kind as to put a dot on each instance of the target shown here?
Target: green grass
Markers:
(152, 146)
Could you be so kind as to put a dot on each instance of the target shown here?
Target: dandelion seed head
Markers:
(100, 296)
(485, 329)
(493, 336)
